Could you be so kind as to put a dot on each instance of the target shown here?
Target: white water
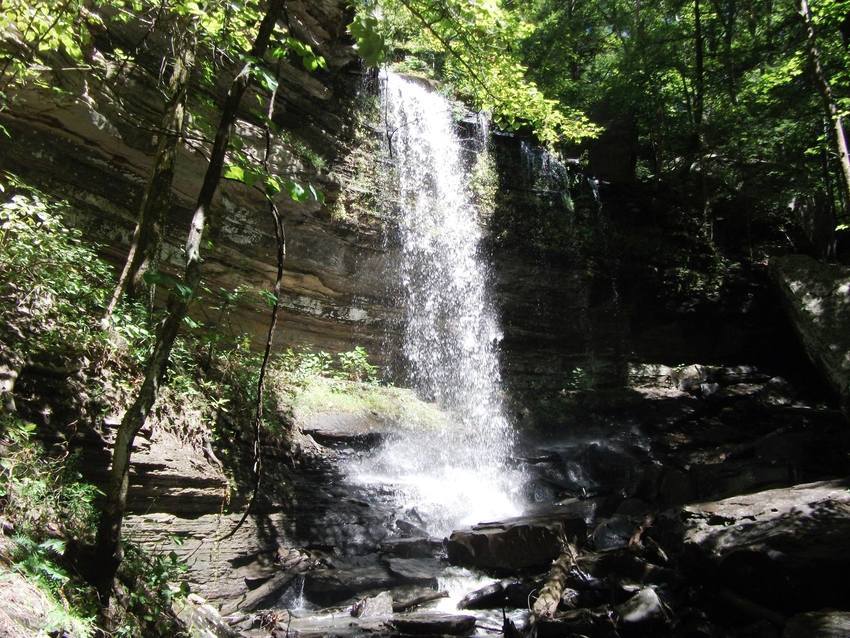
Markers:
(454, 474)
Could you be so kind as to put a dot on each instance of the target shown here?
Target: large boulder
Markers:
(787, 549)
(518, 543)
(817, 300)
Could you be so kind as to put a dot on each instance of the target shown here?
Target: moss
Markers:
(484, 184)
(398, 405)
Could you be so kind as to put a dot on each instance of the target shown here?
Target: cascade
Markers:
(452, 473)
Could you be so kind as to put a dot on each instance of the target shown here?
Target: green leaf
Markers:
(273, 186)
(269, 298)
(296, 191)
(234, 172)
(369, 42)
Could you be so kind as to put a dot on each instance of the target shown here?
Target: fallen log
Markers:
(550, 595)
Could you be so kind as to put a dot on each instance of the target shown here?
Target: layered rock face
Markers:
(96, 150)
(595, 280)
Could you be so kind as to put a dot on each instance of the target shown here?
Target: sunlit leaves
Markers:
(368, 38)
(474, 46)
(309, 58)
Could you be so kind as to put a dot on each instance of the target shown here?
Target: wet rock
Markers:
(819, 624)
(505, 593)
(264, 595)
(410, 530)
(413, 547)
(380, 605)
(433, 623)
(517, 543)
(599, 469)
(490, 596)
(327, 587)
(420, 571)
(334, 625)
(570, 598)
(642, 612)
(614, 533)
(624, 564)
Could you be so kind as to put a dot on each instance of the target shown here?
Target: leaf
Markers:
(234, 172)
(318, 195)
(273, 186)
(269, 298)
(369, 42)
(183, 290)
(296, 191)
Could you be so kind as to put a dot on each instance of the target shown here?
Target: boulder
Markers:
(333, 586)
(419, 571)
(503, 594)
(642, 612)
(817, 300)
(375, 606)
(787, 549)
(414, 547)
(346, 429)
(517, 543)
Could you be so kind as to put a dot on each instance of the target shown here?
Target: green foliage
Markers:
(38, 491)
(369, 41)
(302, 365)
(475, 47)
(152, 582)
(44, 499)
(355, 365)
(50, 282)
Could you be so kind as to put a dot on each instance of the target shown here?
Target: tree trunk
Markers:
(550, 595)
(109, 531)
(156, 201)
(825, 89)
(699, 111)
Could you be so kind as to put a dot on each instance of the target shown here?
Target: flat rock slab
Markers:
(327, 587)
(416, 547)
(346, 429)
(433, 623)
(419, 571)
(786, 548)
(517, 543)
(340, 625)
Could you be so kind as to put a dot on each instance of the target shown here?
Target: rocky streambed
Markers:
(704, 501)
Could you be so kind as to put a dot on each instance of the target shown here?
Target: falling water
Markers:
(455, 473)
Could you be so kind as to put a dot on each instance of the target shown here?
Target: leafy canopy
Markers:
(474, 47)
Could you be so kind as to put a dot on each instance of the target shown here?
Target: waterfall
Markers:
(454, 473)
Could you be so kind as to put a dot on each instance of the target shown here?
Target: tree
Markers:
(830, 105)
(109, 530)
(156, 200)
